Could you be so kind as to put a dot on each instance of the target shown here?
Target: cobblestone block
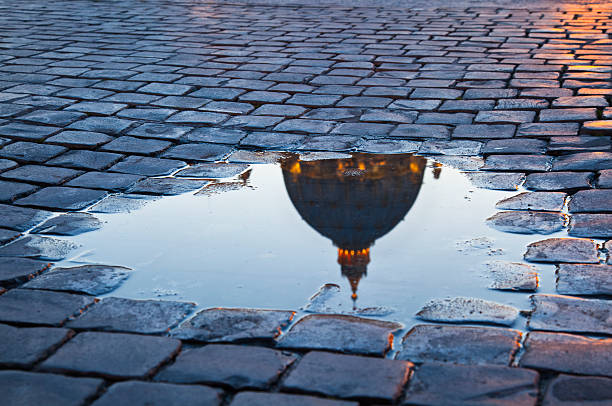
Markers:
(23, 347)
(591, 225)
(133, 145)
(137, 393)
(584, 279)
(234, 325)
(146, 166)
(527, 222)
(348, 377)
(104, 180)
(25, 306)
(579, 144)
(88, 279)
(30, 132)
(583, 161)
(505, 116)
(567, 390)
(517, 163)
(282, 399)
(106, 125)
(41, 174)
(461, 345)
(29, 388)
(570, 314)
(458, 147)
(496, 181)
(441, 384)
(79, 139)
(14, 270)
(21, 218)
(569, 250)
(340, 333)
(484, 131)
(112, 355)
(34, 246)
(591, 201)
(69, 224)
(547, 129)
(389, 146)
(132, 316)
(364, 129)
(198, 117)
(235, 366)
(51, 117)
(558, 181)
(166, 186)
(31, 152)
(63, 198)
(515, 146)
(468, 309)
(420, 131)
(598, 127)
(92, 160)
(568, 353)
(546, 201)
(9, 191)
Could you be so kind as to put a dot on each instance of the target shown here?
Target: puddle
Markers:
(398, 230)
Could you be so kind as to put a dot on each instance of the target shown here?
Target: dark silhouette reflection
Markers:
(354, 201)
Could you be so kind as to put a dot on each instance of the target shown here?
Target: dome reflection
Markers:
(354, 201)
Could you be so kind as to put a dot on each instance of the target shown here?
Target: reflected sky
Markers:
(403, 229)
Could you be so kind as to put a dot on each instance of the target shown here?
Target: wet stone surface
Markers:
(568, 353)
(570, 314)
(69, 224)
(546, 201)
(132, 316)
(283, 399)
(340, 333)
(505, 275)
(14, 271)
(146, 393)
(89, 279)
(28, 388)
(234, 325)
(468, 309)
(37, 247)
(25, 306)
(63, 198)
(234, 366)
(591, 201)
(584, 279)
(442, 384)
(213, 170)
(22, 347)
(527, 222)
(112, 355)
(21, 218)
(591, 225)
(460, 345)
(348, 377)
(497, 181)
(572, 250)
(567, 390)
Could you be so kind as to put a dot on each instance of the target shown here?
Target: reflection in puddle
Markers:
(354, 201)
(416, 230)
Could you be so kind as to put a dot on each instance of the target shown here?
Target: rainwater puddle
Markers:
(397, 229)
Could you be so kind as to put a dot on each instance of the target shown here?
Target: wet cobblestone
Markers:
(97, 98)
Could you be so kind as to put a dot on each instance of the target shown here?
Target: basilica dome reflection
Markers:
(354, 201)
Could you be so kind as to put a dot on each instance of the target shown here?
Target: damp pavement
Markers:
(99, 100)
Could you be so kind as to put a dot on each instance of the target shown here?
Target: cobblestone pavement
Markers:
(97, 96)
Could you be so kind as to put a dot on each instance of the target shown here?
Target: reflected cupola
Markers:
(354, 201)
